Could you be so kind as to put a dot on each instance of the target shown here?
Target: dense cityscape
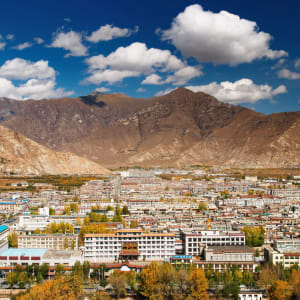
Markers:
(205, 230)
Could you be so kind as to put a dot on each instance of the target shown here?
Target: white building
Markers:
(194, 241)
(129, 244)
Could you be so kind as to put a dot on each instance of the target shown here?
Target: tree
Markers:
(134, 224)
(86, 270)
(66, 243)
(13, 240)
(118, 280)
(255, 236)
(22, 279)
(199, 285)
(77, 270)
(64, 287)
(12, 278)
(44, 269)
(125, 210)
(51, 211)
(202, 206)
(279, 290)
(74, 207)
(59, 270)
(149, 280)
(37, 231)
(295, 283)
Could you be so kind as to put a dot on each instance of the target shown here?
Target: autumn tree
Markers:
(118, 280)
(13, 240)
(279, 290)
(255, 236)
(295, 283)
(64, 287)
(134, 224)
(199, 285)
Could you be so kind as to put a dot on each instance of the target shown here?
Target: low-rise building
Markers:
(49, 241)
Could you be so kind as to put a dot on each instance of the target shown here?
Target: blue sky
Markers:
(245, 54)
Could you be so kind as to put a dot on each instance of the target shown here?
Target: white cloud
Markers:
(38, 40)
(241, 91)
(70, 41)
(103, 89)
(136, 57)
(10, 37)
(67, 20)
(135, 60)
(219, 38)
(183, 75)
(297, 63)
(153, 79)
(2, 46)
(165, 92)
(109, 32)
(140, 90)
(110, 76)
(23, 46)
(285, 73)
(38, 80)
(22, 69)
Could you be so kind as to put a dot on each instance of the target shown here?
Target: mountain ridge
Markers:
(180, 128)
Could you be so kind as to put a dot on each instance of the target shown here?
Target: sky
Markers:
(242, 52)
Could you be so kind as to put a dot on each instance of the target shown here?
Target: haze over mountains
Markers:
(178, 129)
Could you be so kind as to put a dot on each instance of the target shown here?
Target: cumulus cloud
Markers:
(153, 79)
(38, 80)
(287, 74)
(70, 41)
(183, 75)
(2, 46)
(22, 69)
(241, 91)
(219, 38)
(10, 37)
(109, 32)
(135, 60)
(23, 46)
(38, 40)
(102, 89)
(110, 76)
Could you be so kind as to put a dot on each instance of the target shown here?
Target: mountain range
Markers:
(181, 128)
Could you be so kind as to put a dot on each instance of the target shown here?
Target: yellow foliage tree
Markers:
(62, 288)
(199, 285)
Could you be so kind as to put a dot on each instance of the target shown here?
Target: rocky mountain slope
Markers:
(20, 155)
(181, 128)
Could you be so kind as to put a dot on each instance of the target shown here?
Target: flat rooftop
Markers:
(3, 227)
(23, 252)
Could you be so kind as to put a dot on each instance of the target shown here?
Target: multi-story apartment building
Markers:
(4, 231)
(194, 241)
(12, 206)
(129, 244)
(49, 241)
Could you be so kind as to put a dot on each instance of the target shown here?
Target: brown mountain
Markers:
(20, 155)
(181, 128)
